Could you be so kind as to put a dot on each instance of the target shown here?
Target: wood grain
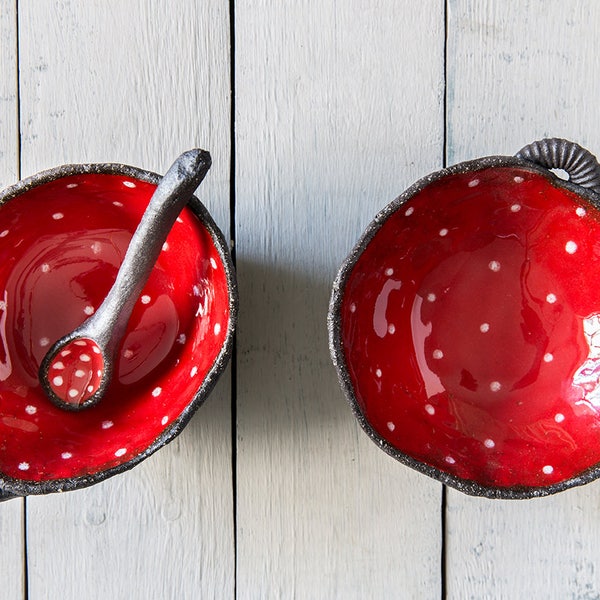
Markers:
(339, 108)
(135, 82)
(12, 575)
(517, 72)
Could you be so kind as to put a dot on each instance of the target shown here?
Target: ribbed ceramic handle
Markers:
(554, 153)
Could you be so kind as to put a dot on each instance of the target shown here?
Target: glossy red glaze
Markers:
(61, 245)
(471, 329)
(76, 372)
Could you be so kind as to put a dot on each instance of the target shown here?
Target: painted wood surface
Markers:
(12, 545)
(326, 134)
(339, 106)
(134, 82)
(518, 72)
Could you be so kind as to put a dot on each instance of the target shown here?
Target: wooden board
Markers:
(138, 83)
(339, 108)
(518, 72)
(12, 548)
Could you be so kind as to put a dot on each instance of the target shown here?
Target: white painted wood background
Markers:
(273, 491)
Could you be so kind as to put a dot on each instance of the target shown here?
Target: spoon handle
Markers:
(173, 191)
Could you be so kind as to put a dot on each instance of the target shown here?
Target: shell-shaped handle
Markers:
(554, 153)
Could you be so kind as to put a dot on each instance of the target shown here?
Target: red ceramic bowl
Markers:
(465, 324)
(63, 235)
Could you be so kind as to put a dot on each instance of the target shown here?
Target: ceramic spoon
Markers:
(76, 371)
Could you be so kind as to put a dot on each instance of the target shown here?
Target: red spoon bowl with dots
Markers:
(112, 394)
(465, 324)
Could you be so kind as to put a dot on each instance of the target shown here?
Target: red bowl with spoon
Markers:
(465, 324)
(64, 238)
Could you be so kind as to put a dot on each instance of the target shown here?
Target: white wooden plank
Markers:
(521, 71)
(339, 108)
(12, 558)
(135, 82)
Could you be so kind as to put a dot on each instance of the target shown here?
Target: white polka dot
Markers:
(484, 327)
(559, 417)
(217, 328)
(437, 354)
(548, 469)
(473, 182)
(391, 329)
(45, 268)
(96, 247)
(106, 424)
(72, 185)
(44, 342)
(30, 409)
(80, 373)
(90, 389)
(353, 308)
(4, 233)
(182, 338)
(66, 455)
(65, 352)
(194, 371)
(571, 247)
(58, 381)
(494, 265)
(389, 272)
(84, 357)
(164, 420)
(24, 466)
(128, 353)
(118, 204)
(95, 350)
(409, 211)
(156, 391)
(518, 179)
(80, 343)
(120, 451)
(548, 357)
(58, 216)
(580, 212)
(129, 184)
(515, 208)
(58, 365)
(495, 386)
(551, 298)
(430, 410)
(88, 310)
(450, 460)
(443, 232)
(73, 393)
(391, 426)
(378, 373)
(165, 246)
(489, 443)
(145, 299)
(431, 297)
(213, 263)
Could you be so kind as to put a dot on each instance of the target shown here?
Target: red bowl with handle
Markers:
(465, 324)
(63, 235)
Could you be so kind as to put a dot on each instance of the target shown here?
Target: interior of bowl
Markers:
(465, 327)
(62, 241)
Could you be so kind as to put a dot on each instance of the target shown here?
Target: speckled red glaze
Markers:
(61, 244)
(470, 328)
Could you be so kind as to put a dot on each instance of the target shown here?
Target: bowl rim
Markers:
(336, 347)
(11, 487)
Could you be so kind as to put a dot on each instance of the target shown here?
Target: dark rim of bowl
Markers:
(11, 487)
(336, 347)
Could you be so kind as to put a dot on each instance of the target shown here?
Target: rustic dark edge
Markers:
(10, 487)
(337, 352)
